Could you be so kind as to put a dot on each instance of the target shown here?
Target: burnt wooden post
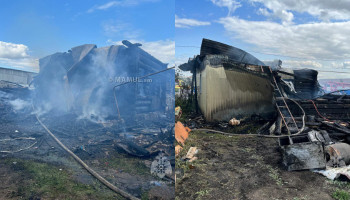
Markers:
(192, 87)
(195, 85)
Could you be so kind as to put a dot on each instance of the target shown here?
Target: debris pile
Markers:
(312, 127)
(110, 106)
(83, 79)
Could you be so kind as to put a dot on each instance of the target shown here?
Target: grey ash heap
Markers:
(82, 80)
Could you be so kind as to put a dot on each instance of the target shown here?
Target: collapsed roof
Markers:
(82, 78)
(210, 47)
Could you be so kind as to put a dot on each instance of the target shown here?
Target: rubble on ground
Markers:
(312, 127)
(118, 131)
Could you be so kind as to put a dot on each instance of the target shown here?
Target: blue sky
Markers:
(306, 34)
(31, 29)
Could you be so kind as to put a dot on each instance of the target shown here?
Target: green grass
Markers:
(144, 196)
(127, 164)
(49, 182)
(339, 184)
(273, 173)
(341, 195)
(202, 193)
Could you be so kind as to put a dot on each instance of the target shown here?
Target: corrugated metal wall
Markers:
(16, 76)
(224, 94)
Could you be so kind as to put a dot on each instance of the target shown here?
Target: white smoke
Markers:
(19, 104)
(43, 109)
(4, 95)
(100, 71)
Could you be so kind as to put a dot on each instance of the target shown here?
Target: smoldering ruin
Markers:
(234, 94)
(100, 103)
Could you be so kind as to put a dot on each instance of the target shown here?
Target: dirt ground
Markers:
(35, 180)
(247, 167)
(18, 173)
(43, 170)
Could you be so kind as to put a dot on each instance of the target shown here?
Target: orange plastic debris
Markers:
(178, 148)
(181, 132)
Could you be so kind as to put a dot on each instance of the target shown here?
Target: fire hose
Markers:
(318, 111)
(20, 138)
(259, 135)
(82, 163)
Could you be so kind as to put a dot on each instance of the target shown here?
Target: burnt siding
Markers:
(224, 94)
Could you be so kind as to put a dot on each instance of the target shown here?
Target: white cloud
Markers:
(310, 64)
(285, 16)
(16, 56)
(323, 9)
(181, 59)
(187, 23)
(264, 11)
(121, 3)
(118, 28)
(326, 69)
(321, 44)
(163, 50)
(231, 5)
(11, 50)
(346, 65)
(309, 41)
(25, 64)
(313, 64)
(330, 75)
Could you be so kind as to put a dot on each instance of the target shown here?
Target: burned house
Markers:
(312, 127)
(230, 83)
(99, 105)
(300, 83)
(82, 80)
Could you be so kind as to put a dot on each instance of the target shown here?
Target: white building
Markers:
(16, 76)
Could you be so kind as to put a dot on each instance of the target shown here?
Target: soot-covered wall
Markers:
(82, 80)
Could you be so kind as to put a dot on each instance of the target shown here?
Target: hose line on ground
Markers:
(91, 171)
(237, 134)
(19, 138)
(318, 111)
(259, 135)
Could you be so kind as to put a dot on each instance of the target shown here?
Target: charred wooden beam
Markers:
(334, 127)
